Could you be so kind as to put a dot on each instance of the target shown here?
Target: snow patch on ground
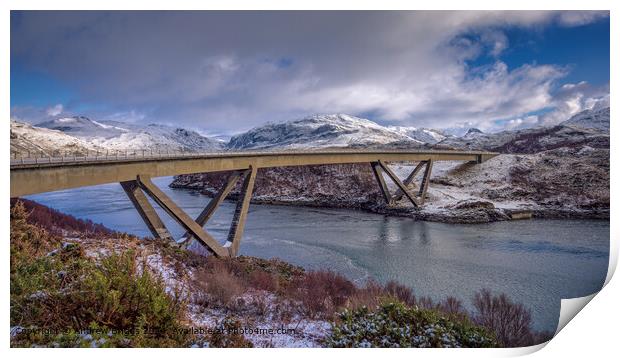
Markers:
(296, 331)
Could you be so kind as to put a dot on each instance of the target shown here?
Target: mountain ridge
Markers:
(317, 131)
(122, 136)
(331, 130)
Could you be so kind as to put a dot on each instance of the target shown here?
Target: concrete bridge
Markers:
(134, 170)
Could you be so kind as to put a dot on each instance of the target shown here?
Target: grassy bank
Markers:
(75, 283)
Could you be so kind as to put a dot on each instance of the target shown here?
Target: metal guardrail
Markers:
(110, 155)
(25, 158)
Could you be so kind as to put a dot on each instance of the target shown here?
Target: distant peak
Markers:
(473, 131)
(65, 120)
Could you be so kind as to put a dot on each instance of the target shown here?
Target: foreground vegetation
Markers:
(74, 283)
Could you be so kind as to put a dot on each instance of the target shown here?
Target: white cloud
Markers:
(523, 122)
(127, 117)
(569, 100)
(54, 110)
(572, 99)
(578, 18)
(221, 71)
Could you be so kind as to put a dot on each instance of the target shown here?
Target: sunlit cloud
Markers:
(54, 110)
(230, 71)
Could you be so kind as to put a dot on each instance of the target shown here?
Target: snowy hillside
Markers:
(26, 138)
(334, 130)
(473, 133)
(83, 127)
(117, 135)
(590, 127)
(591, 118)
(425, 135)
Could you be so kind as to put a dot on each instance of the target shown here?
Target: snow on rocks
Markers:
(263, 323)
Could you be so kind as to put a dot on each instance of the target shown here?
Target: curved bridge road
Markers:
(134, 169)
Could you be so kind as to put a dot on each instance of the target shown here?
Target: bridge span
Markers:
(32, 175)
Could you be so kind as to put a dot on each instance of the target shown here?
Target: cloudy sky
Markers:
(225, 72)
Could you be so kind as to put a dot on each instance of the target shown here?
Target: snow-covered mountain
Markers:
(26, 138)
(530, 140)
(319, 131)
(590, 118)
(473, 133)
(120, 136)
(588, 128)
(83, 127)
(425, 135)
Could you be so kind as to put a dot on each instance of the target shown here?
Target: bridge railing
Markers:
(64, 156)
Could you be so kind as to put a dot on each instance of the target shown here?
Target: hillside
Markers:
(320, 131)
(530, 141)
(117, 135)
(26, 138)
(425, 135)
(592, 118)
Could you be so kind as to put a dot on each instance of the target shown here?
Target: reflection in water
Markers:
(535, 262)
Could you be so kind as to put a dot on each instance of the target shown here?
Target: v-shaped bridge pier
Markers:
(403, 187)
(136, 190)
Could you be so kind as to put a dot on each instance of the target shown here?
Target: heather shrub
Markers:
(28, 241)
(263, 281)
(452, 306)
(323, 292)
(400, 292)
(394, 324)
(55, 287)
(370, 295)
(425, 302)
(54, 221)
(123, 298)
(510, 321)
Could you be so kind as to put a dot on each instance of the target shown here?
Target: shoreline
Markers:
(476, 215)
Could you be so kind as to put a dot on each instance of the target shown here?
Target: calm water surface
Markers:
(535, 262)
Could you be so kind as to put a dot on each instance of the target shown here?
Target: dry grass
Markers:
(400, 292)
(322, 293)
(218, 285)
(510, 321)
(262, 280)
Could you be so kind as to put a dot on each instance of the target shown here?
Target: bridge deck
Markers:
(38, 175)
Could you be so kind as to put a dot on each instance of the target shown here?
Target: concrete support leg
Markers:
(208, 211)
(399, 183)
(399, 193)
(376, 169)
(241, 212)
(425, 181)
(181, 217)
(146, 210)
